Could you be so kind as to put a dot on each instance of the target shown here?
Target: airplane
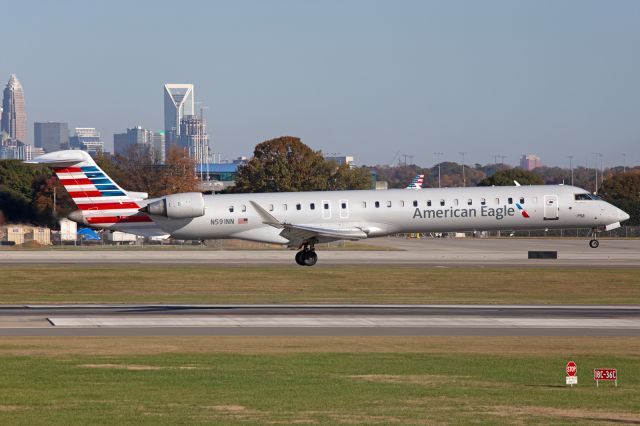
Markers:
(416, 183)
(303, 219)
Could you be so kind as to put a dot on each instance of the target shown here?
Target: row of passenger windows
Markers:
(414, 203)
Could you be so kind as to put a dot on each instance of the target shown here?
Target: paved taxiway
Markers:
(412, 252)
(317, 320)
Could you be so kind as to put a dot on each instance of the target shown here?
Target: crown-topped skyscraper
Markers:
(14, 117)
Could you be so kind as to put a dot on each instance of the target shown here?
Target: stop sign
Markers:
(571, 368)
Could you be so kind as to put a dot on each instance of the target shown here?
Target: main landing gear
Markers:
(307, 256)
(594, 243)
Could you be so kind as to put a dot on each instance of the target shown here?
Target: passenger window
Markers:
(388, 203)
(377, 204)
(469, 201)
(298, 206)
(364, 204)
(231, 209)
(284, 207)
(415, 203)
(270, 207)
(312, 206)
(344, 205)
(429, 203)
(402, 203)
(243, 208)
(442, 202)
(326, 206)
(483, 201)
(455, 201)
(510, 200)
(497, 201)
(521, 200)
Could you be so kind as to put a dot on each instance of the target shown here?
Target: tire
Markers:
(594, 243)
(310, 258)
(299, 258)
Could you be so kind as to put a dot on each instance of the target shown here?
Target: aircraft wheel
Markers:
(299, 258)
(594, 243)
(310, 258)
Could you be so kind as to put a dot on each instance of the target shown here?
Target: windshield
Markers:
(586, 196)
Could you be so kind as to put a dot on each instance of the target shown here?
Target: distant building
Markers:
(122, 142)
(14, 117)
(87, 139)
(340, 159)
(158, 142)
(194, 138)
(530, 162)
(217, 176)
(178, 103)
(51, 136)
(12, 149)
(141, 137)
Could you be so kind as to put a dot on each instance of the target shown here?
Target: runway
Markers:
(439, 252)
(319, 320)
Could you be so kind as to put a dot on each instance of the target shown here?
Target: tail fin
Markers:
(102, 202)
(417, 182)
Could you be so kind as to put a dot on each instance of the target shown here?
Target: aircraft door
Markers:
(551, 207)
(344, 209)
(326, 209)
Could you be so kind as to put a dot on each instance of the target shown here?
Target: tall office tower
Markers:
(194, 138)
(178, 102)
(51, 136)
(158, 142)
(136, 136)
(87, 139)
(530, 162)
(14, 118)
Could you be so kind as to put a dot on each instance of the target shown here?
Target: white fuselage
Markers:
(385, 212)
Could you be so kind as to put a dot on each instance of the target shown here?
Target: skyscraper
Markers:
(194, 138)
(87, 139)
(14, 118)
(178, 102)
(51, 136)
(530, 162)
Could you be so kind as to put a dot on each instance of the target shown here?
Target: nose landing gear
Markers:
(307, 256)
(594, 243)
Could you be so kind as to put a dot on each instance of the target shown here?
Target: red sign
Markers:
(571, 369)
(605, 374)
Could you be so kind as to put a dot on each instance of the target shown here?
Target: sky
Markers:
(368, 78)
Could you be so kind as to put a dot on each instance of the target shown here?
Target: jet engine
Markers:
(177, 206)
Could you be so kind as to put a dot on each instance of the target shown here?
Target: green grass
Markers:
(375, 284)
(325, 388)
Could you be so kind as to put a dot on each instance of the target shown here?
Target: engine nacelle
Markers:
(178, 206)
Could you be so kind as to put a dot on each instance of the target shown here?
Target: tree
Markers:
(623, 191)
(506, 178)
(285, 164)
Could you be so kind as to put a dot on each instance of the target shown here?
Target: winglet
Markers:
(517, 183)
(267, 218)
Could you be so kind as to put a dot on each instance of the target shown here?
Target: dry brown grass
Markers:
(375, 284)
(503, 345)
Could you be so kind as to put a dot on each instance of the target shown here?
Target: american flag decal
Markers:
(243, 221)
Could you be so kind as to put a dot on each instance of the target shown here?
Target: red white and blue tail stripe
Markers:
(102, 202)
(417, 182)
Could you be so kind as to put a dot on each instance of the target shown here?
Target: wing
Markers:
(300, 234)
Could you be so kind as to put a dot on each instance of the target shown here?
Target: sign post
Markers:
(572, 370)
(605, 374)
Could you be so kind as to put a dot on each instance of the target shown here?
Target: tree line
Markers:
(285, 164)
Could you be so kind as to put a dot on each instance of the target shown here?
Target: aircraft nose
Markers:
(622, 215)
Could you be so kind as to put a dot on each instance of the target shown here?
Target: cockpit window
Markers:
(586, 196)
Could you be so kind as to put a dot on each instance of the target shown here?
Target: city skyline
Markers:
(363, 78)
